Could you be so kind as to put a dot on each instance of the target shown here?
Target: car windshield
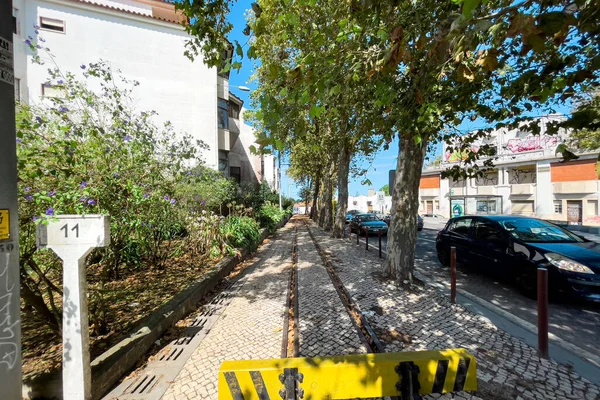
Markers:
(368, 217)
(534, 230)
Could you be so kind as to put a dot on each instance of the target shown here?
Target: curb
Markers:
(110, 366)
(528, 326)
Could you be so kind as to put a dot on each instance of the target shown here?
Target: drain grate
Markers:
(163, 369)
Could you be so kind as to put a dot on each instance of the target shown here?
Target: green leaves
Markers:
(468, 7)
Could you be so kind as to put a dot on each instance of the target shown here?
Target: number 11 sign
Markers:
(72, 238)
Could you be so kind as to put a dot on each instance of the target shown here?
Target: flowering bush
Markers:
(269, 215)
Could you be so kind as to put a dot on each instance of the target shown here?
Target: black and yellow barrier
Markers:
(348, 377)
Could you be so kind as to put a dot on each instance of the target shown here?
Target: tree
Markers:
(416, 70)
(385, 189)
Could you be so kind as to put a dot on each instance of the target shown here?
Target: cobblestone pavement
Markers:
(424, 319)
(325, 328)
(251, 327)
(575, 322)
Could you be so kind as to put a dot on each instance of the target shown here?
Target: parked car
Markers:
(387, 219)
(369, 221)
(514, 247)
(350, 214)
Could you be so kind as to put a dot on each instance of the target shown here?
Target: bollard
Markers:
(350, 232)
(366, 238)
(453, 274)
(542, 292)
(379, 234)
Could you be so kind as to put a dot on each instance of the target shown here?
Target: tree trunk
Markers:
(323, 202)
(328, 199)
(402, 235)
(313, 209)
(36, 301)
(339, 225)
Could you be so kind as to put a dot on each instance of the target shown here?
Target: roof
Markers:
(163, 10)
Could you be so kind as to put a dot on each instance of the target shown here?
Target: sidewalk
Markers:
(424, 319)
(250, 327)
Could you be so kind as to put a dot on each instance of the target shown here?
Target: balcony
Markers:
(224, 140)
(575, 187)
(457, 191)
(432, 192)
(234, 125)
(522, 189)
(488, 189)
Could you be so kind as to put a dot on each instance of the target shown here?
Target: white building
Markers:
(370, 203)
(528, 178)
(145, 40)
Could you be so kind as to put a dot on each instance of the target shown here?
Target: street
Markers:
(577, 323)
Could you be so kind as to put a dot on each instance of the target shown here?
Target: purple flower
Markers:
(50, 211)
(38, 46)
(29, 197)
(82, 66)
(28, 42)
(127, 138)
(82, 199)
(146, 195)
(19, 140)
(63, 109)
(36, 27)
(60, 82)
(83, 184)
(91, 202)
(166, 198)
(39, 120)
(173, 201)
(37, 32)
(47, 84)
(52, 193)
(35, 218)
(41, 39)
(27, 189)
(115, 175)
(203, 202)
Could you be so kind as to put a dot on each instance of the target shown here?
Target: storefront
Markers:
(475, 205)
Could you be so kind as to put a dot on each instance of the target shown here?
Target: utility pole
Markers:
(10, 323)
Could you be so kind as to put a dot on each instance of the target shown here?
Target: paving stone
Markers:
(432, 322)
(250, 328)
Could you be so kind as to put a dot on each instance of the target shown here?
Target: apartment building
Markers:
(145, 41)
(527, 179)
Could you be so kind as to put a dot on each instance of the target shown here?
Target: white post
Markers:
(72, 238)
(77, 376)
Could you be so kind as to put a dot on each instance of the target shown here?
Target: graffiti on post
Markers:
(9, 347)
(531, 143)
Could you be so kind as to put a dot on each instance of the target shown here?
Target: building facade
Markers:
(145, 41)
(528, 178)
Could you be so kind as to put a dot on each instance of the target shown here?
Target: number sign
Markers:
(91, 230)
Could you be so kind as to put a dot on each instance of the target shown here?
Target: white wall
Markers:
(361, 203)
(144, 49)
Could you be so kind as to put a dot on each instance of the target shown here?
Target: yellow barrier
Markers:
(349, 377)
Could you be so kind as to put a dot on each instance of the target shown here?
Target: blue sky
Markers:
(378, 171)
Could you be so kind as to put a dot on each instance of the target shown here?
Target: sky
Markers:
(378, 170)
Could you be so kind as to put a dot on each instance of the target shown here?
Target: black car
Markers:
(369, 221)
(515, 247)
(387, 219)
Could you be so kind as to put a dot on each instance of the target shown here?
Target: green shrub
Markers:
(269, 215)
(240, 231)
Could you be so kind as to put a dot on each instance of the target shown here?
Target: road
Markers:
(575, 322)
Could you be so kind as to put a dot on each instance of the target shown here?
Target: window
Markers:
(17, 90)
(223, 162)
(236, 173)
(486, 230)
(50, 24)
(558, 207)
(222, 114)
(52, 91)
(234, 110)
(461, 226)
(15, 22)
(535, 230)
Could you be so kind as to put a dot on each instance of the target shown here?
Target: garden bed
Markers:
(127, 302)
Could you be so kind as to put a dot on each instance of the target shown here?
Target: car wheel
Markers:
(527, 281)
(444, 257)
